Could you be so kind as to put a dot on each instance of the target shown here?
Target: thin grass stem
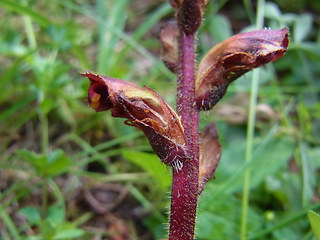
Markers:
(250, 133)
(44, 199)
(29, 30)
(30, 33)
(9, 223)
(44, 132)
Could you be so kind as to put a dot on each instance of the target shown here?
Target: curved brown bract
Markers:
(210, 154)
(169, 35)
(144, 109)
(232, 58)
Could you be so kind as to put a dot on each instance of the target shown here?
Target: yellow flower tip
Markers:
(96, 97)
(95, 105)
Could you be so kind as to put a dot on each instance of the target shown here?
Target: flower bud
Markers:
(169, 42)
(233, 57)
(144, 109)
(176, 3)
(210, 153)
(189, 13)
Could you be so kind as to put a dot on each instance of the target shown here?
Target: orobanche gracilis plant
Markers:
(174, 135)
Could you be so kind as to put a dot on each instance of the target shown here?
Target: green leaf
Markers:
(272, 157)
(307, 175)
(314, 219)
(47, 229)
(155, 225)
(220, 28)
(59, 36)
(220, 218)
(58, 163)
(304, 118)
(47, 166)
(269, 156)
(46, 105)
(271, 10)
(302, 27)
(152, 164)
(32, 214)
(69, 233)
(56, 214)
(37, 161)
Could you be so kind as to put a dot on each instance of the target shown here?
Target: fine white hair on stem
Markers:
(177, 165)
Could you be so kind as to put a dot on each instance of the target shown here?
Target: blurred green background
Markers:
(67, 172)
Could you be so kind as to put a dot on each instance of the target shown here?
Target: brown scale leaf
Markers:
(143, 108)
(189, 13)
(232, 58)
(210, 153)
(169, 45)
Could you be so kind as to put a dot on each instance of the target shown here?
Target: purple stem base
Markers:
(184, 193)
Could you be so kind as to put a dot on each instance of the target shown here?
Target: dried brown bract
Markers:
(210, 153)
(144, 109)
(233, 57)
(189, 13)
(169, 45)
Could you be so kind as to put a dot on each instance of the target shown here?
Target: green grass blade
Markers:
(9, 223)
(314, 219)
(125, 37)
(16, 7)
(307, 190)
(250, 132)
(115, 16)
(18, 105)
(152, 19)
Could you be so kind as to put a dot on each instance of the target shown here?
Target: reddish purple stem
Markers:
(184, 193)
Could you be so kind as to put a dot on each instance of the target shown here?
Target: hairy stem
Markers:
(184, 193)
